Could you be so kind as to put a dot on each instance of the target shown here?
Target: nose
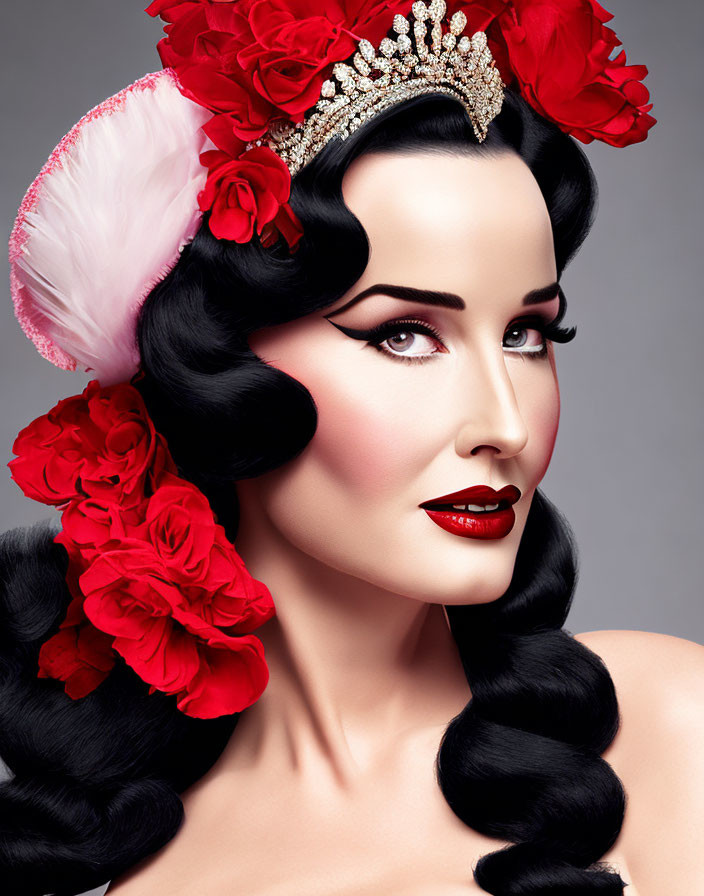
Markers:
(494, 420)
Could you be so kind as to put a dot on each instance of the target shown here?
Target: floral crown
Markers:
(288, 75)
(251, 91)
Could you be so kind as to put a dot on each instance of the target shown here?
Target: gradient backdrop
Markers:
(627, 465)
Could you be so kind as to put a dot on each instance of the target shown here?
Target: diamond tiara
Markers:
(463, 68)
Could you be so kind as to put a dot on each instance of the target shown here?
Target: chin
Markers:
(452, 580)
(471, 584)
(448, 569)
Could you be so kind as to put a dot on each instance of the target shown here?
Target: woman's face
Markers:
(442, 399)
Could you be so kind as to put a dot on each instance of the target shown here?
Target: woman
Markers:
(336, 404)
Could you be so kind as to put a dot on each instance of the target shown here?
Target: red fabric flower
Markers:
(257, 62)
(151, 573)
(227, 596)
(249, 114)
(202, 43)
(231, 676)
(559, 51)
(129, 595)
(93, 525)
(78, 654)
(99, 443)
(180, 526)
(247, 193)
(294, 42)
(210, 575)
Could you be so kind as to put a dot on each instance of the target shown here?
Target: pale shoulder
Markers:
(658, 754)
(649, 666)
(659, 682)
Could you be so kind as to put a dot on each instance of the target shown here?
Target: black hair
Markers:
(96, 781)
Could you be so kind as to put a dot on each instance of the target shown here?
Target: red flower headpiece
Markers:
(151, 574)
(245, 100)
(257, 63)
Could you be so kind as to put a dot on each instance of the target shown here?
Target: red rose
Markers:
(46, 464)
(202, 45)
(245, 193)
(559, 52)
(212, 580)
(151, 573)
(89, 526)
(173, 10)
(255, 57)
(78, 654)
(128, 596)
(232, 675)
(179, 525)
(249, 114)
(232, 671)
(101, 443)
(293, 41)
(227, 596)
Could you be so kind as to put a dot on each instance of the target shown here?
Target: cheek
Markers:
(542, 407)
(368, 437)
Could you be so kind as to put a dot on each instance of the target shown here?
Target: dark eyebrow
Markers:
(544, 294)
(431, 297)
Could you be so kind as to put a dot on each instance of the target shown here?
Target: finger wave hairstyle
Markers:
(95, 783)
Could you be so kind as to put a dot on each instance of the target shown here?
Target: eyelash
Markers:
(376, 335)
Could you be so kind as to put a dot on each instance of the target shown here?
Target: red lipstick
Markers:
(474, 523)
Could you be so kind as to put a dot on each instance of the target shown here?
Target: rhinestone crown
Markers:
(454, 64)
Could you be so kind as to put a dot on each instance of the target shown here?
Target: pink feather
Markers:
(104, 221)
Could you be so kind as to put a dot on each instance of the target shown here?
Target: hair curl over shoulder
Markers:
(95, 783)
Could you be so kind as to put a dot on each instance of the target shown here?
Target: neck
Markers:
(353, 667)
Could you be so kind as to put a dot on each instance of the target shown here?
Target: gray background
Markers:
(627, 465)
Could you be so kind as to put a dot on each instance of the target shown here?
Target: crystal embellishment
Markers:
(458, 23)
(424, 59)
(437, 10)
(401, 25)
(405, 44)
(387, 47)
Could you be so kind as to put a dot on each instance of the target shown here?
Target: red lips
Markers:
(478, 494)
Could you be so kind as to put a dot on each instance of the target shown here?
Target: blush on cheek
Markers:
(365, 441)
(545, 424)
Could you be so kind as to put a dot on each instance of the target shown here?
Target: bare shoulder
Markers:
(652, 671)
(659, 681)
(632, 651)
(658, 754)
